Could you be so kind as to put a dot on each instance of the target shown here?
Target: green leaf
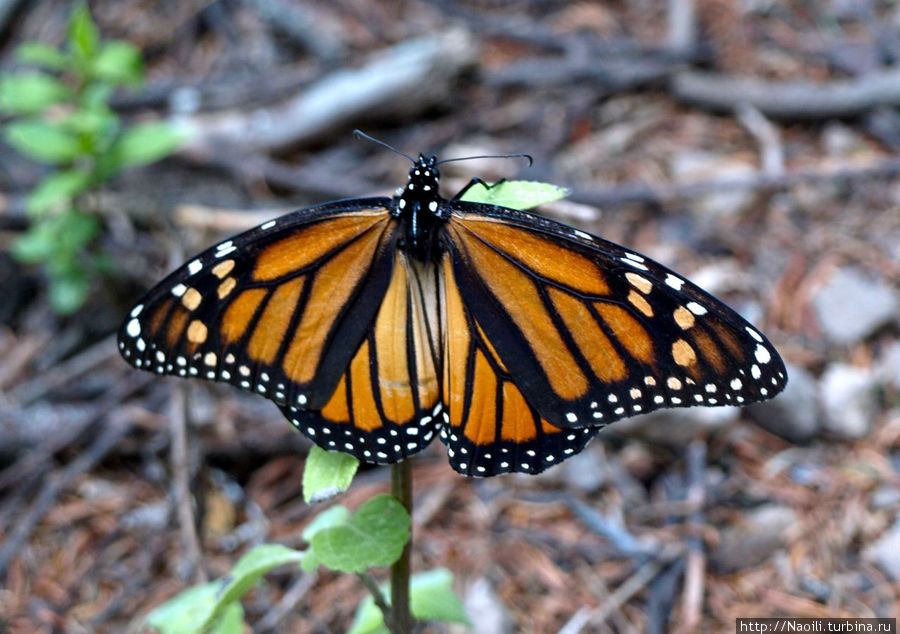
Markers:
(334, 516)
(57, 189)
(326, 474)
(186, 612)
(97, 94)
(35, 245)
(369, 618)
(515, 194)
(68, 291)
(75, 230)
(83, 35)
(431, 598)
(248, 570)
(42, 55)
(42, 141)
(119, 62)
(230, 622)
(94, 121)
(374, 536)
(30, 93)
(214, 607)
(145, 143)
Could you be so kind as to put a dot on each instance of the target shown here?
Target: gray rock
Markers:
(596, 467)
(587, 471)
(754, 539)
(696, 166)
(851, 306)
(793, 414)
(889, 365)
(885, 497)
(485, 608)
(677, 426)
(153, 516)
(885, 552)
(849, 400)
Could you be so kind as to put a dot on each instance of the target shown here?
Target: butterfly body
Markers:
(378, 324)
(421, 211)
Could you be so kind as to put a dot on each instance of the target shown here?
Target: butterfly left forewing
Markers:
(278, 310)
(592, 332)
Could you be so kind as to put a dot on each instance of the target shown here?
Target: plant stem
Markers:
(401, 488)
(380, 601)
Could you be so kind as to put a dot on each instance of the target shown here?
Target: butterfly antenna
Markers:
(359, 134)
(468, 158)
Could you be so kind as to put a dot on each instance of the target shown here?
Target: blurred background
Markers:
(751, 145)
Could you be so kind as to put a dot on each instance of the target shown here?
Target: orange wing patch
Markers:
(387, 403)
(304, 248)
(335, 281)
(548, 259)
(492, 428)
(274, 321)
(521, 299)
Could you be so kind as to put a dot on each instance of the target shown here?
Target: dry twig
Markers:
(401, 81)
(789, 99)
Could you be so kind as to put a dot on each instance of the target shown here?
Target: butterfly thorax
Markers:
(419, 207)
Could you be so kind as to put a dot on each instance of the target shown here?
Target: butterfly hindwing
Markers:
(592, 332)
(490, 428)
(278, 310)
(387, 404)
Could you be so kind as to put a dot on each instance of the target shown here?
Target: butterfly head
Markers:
(424, 179)
(419, 205)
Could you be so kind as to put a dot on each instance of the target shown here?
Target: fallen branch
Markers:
(659, 193)
(788, 99)
(399, 82)
(181, 481)
(695, 573)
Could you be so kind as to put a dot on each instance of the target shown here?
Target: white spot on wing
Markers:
(674, 282)
(194, 267)
(696, 308)
(762, 355)
(635, 264)
(133, 328)
(754, 334)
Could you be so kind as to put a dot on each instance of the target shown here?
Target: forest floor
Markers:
(780, 195)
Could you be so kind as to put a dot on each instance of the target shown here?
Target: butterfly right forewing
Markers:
(592, 332)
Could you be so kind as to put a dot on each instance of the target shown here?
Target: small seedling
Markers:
(62, 118)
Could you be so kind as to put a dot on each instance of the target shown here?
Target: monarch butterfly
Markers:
(376, 324)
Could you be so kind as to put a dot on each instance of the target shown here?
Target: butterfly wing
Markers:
(279, 310)
(591, 332)
(490, 428)
(387, 403)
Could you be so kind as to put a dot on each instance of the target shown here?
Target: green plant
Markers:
(62, 118)
(376, 535)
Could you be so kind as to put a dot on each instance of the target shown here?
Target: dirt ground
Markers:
(752, 146)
